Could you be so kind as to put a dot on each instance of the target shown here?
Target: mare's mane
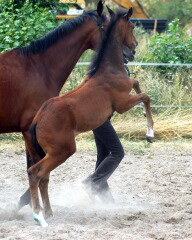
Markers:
(99, 55)
(41, 45)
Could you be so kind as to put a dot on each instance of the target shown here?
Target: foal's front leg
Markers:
(133, 100)
(136, 86)
(150, 131)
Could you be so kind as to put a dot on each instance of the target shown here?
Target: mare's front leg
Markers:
(133, 100)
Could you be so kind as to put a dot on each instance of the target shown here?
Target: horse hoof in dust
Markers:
(48, 214)
(38, 217)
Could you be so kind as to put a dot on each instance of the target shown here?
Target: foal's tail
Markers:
(35, 143)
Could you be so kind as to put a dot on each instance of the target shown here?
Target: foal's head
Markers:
(130, 41)
(119, 40)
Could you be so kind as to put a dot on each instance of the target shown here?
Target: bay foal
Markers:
(105, 90)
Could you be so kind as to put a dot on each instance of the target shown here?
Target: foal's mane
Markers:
(99, 55)
(42, 44)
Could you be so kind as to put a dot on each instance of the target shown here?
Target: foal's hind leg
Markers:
(43, 186)
(55, 157)
(25, 199)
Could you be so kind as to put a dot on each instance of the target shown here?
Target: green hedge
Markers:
(20, 26)
(172, 47)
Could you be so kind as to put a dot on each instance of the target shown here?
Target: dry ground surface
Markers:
(152, 189)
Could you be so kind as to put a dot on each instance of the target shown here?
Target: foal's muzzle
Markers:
(128, 54)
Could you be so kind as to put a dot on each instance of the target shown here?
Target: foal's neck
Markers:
(113, 54)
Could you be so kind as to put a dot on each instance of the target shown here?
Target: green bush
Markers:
(171, 47)
(51, 4)
(20, 26)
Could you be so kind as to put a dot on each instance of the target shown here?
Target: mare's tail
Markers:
(35, 143)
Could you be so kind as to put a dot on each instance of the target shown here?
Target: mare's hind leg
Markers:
(43, 186)
(57, 154)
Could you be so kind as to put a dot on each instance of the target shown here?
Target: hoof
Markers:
(48, 214)
(150, 139)
(38, 217)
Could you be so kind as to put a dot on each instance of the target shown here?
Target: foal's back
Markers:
(83, 110)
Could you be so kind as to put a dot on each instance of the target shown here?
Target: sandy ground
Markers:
(152, 189)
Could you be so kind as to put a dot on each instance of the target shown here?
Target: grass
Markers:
(174, 91)
(168, 125)
(84, 144)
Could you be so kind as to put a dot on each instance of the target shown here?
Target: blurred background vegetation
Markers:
(22, 22)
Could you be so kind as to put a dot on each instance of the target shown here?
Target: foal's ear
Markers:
(100, 8)
(129, 14)
(111, 13)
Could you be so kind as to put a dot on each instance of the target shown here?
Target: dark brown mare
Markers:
(31, 75)
(105, 90)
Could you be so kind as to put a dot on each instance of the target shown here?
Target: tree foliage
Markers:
(170, 10)
(51, 4)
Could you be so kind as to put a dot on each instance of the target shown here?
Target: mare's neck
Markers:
(60, 59)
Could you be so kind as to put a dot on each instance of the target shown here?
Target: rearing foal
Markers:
(106, 89)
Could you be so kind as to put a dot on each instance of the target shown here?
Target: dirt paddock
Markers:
(152, 189)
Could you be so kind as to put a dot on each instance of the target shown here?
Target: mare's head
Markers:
(101, 22)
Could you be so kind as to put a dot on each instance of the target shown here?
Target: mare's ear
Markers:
(100, 8)
(129, 13)
(111, 13)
